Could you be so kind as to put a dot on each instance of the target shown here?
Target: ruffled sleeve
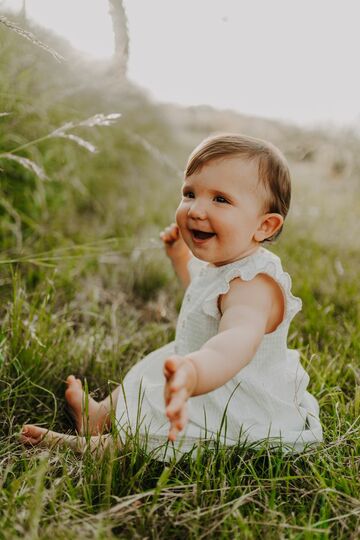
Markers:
(263, 262)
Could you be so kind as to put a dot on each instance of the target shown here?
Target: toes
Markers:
(71, 380)
(32, 434)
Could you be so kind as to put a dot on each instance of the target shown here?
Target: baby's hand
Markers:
(180, 374)
(175, 246)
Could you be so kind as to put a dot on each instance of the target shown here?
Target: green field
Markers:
(86, 289)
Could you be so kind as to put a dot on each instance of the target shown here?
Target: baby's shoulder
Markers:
(261, 292)
(256, 287)
(261, 283)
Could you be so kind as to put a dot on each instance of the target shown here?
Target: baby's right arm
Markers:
(249, 310)
(177, 251)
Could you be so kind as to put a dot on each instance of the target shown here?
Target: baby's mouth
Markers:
(201, 235)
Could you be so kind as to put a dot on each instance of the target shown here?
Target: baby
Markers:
(228, 374)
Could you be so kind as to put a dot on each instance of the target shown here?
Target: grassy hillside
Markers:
(86, 289)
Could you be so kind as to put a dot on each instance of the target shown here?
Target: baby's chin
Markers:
(217, 261)
(200, 256)
(206, 259)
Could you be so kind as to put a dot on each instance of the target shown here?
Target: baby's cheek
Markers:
(180, 216)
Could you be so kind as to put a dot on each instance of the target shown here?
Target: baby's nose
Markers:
(197, 210)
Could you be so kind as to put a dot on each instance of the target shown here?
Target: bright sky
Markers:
(288, 59)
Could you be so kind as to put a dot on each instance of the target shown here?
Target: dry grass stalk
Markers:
(30, 36)
(27, 163)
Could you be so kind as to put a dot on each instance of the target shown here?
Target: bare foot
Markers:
(33, 435)
(37, 436)
(90, 416)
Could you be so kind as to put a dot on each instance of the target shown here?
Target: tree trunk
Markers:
(121, 36)
(22, 12)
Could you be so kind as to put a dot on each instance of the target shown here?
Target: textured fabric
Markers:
(268, 399)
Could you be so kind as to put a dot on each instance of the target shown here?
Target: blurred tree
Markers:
(119, 20)
(22, 12)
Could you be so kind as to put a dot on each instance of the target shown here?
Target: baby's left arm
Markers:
(249, 310)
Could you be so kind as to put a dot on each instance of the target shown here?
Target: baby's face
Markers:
(221, 210)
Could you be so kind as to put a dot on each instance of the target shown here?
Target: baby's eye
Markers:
(189, 195)
(221, 199)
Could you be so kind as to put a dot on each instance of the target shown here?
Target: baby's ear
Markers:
(269, 225)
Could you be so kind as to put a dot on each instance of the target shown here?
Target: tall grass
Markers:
(86, 289)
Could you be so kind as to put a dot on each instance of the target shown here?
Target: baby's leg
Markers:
(90, 416)
(37, 436)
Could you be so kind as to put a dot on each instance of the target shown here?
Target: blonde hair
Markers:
(273, 169)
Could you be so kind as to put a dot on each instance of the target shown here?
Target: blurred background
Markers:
(177, 71)
(293, 61)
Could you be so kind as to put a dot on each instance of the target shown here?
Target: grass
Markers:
(90, 292)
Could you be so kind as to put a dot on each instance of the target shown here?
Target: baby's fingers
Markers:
(178, 424)
(171, 365)
(170, 234)
(176, 404)
(179, 379)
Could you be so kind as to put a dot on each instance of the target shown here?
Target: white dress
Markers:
(266, 400)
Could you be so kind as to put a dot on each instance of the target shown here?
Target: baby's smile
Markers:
(198, 235)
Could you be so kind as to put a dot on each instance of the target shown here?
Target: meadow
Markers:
(86, 289)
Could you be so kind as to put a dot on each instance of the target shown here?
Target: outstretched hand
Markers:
(180, 374)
